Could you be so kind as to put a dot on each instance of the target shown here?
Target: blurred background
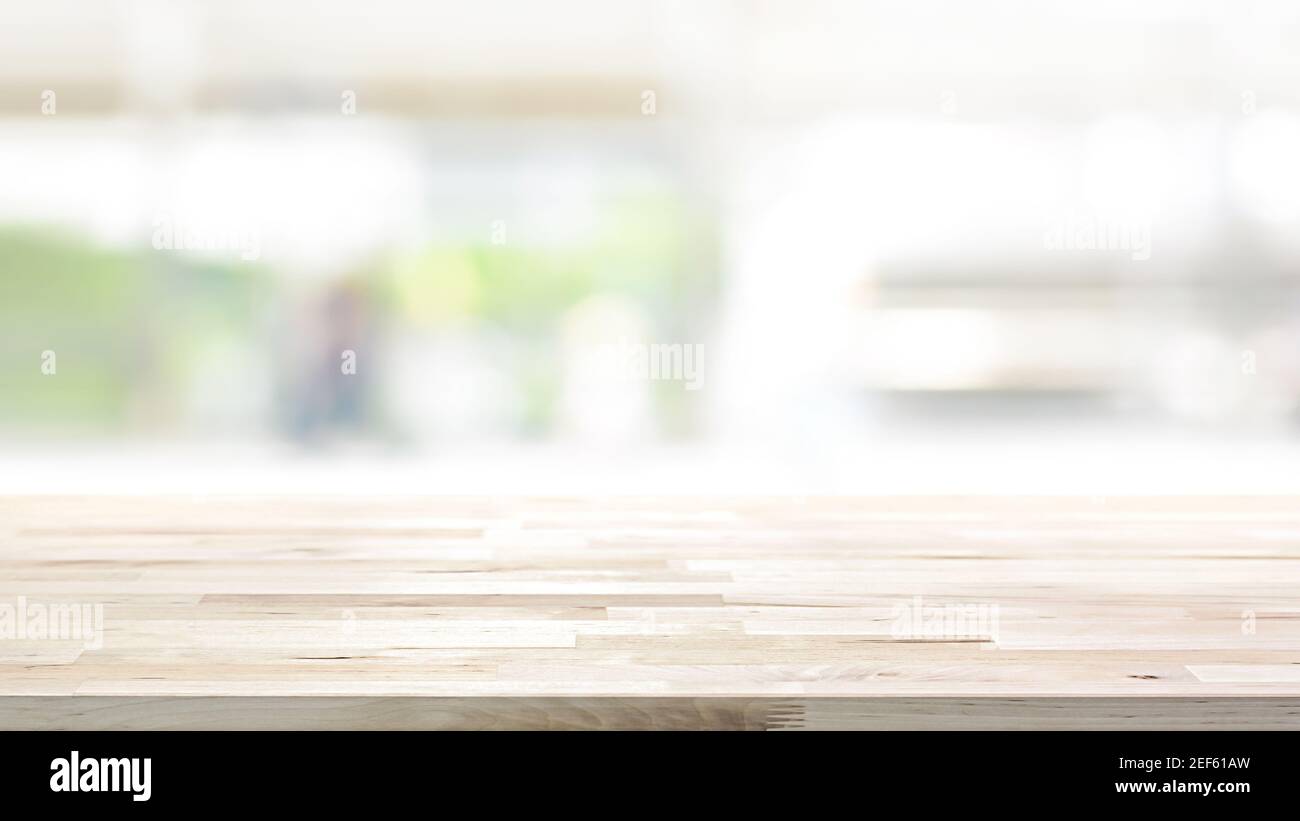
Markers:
(912, 246)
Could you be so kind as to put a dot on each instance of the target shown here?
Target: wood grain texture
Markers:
(742, 613)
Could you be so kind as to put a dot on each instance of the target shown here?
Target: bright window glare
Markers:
(817, 245)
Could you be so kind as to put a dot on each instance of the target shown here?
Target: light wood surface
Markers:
(655, 612)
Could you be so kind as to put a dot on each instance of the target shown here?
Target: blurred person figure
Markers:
(331, 387)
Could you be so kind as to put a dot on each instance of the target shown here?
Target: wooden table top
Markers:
(649, 612)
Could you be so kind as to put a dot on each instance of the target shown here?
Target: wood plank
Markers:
(641, 612)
